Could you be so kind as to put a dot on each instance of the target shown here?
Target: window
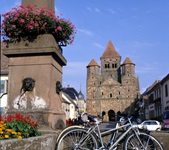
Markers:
(166, 90)
(115, 65)
(107, 66)
(110, 95)
(112, 65)
(3, 90)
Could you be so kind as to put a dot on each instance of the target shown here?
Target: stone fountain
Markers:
(34, 69)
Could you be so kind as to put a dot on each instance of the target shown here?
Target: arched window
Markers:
(115, 65)
(110, 95)
(112, 65)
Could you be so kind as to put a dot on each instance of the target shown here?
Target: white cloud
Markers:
(88, 8)
(137, 44)
(85, 32)
(145, 69)
(75, 68)
(111, 11)
(97, 10)
(99, 46)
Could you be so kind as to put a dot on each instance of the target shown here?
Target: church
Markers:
(112, 86)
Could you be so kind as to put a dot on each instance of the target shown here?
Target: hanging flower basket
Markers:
(29, 22)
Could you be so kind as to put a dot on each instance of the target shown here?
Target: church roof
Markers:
(110, 51)
(127, 61)
(81, 96)
(92, 63)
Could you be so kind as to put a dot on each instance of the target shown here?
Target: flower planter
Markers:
(43, 44)
(44, 142)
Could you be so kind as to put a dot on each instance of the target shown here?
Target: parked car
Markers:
(151, 125)
(165, 121)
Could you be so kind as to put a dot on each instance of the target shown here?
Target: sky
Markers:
(138, 29)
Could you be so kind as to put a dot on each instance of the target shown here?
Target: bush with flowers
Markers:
(29, 22)
(69, 122)
(18, 126)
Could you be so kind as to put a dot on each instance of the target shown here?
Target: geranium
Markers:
(29, 22)
(18, 126)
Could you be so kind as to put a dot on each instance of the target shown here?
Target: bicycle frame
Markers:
(99, 134)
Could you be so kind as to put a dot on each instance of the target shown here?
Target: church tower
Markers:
(128, 67)
(110, 63)
(111, 87)
(93, 78)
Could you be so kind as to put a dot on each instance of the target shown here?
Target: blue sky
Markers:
(138, 29)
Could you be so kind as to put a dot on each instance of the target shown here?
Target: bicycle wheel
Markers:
(66, 130)
(77, 139)
(142, 142)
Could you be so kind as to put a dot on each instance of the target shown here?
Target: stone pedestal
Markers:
(49, 4)
(41, 60)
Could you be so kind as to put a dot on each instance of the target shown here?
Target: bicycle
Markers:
(91, 138)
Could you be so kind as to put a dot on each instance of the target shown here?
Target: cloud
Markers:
(77, 72)
(75, 68)
(85, 32)
(137, 44)
(88, 8)
(99, 46)
(145, 69)
(111, 11)
(97, 10)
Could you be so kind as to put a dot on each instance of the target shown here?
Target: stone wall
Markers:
(48, 142)
(44, 142)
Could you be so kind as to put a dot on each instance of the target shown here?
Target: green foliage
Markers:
(18, 126)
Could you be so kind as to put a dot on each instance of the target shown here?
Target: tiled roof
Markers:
(153, 85)
(92, 63)
(110, 51)
(4, 60)
(127, 61)
(73, 94)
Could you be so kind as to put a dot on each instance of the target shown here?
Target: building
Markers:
(113, 86)
(165, 92)
(156, 99)
(4, 80)
(78, 98)
(69, 106)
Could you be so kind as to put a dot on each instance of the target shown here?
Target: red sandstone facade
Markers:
(113, 86)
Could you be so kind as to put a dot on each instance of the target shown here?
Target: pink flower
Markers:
(36, 24)
(16, 15)
(31, 22)
(15, 18)
(13, 26)
(59, 28)
(30, 27)
(22, 20)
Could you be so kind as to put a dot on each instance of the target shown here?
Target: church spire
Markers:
(110, 51)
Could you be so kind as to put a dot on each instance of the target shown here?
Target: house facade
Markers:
(156, 99)
(4, 81)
